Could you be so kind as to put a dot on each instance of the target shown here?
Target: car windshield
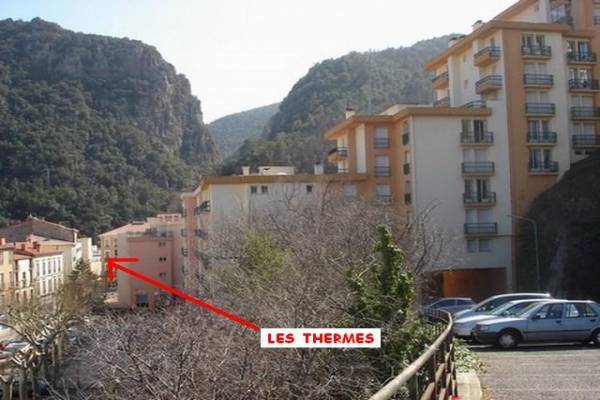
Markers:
(511, 309)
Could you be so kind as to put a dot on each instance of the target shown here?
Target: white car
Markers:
(490, 304)
(463, 327)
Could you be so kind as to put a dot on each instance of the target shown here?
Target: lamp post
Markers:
(537, 248)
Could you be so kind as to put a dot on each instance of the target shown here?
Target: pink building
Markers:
(157, 243)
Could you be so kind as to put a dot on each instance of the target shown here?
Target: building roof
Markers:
(35, 226)
(133, 228)
(424, 111)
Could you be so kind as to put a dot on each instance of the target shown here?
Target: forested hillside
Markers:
(368, 82)
(568, 216)
(94, 131)
(231, 131)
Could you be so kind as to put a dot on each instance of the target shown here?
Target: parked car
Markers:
(463, 327)
(548, 321)
(451, 304)
(490, 304)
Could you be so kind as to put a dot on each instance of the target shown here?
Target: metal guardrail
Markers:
(436, 365)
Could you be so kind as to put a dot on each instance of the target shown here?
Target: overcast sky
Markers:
(241, 54)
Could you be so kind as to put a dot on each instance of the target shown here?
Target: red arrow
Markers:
(113, 263)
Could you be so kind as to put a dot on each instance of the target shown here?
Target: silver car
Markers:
(451, 304)
(463, 327)
(548, 321)
(490, 304)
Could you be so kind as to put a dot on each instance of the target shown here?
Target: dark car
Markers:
(451, 304)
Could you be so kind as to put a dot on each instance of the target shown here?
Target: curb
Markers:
(469, 387)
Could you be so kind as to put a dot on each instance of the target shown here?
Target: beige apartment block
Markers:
(515, 106)
(157, 243)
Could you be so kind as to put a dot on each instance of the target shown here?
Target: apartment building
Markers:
(516, 105)
(6, 271)
(157, 243)
(235, 199)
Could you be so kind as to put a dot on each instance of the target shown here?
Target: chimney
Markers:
(23, 246)
(350, 112)
(478, 24)
(319, 169)
(2, 241)
(37, 246)
(245, 171)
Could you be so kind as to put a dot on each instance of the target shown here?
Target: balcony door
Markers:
(478, 189)
(578, 47)
(532, 41)
(582, 101)
(584, 128)
(580, 74)
(540, 158)
(537, 96)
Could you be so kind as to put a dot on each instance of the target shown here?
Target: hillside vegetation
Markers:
(94, 131)
(568, 216)
(369, 82)
(231, 131)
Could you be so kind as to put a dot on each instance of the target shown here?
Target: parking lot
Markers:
(565, 372)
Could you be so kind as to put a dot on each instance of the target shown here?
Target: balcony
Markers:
(441, 81)
(563, 19)
(475, 104)
(384, 199)
(488, 84)
(479, 199)
(443, 102)
(481, 229)
(406, 169)
(543, 167)
(478, 168)
(586, 141)
(408, 198)
(487, 56)
(575, 57)
(338, 154)
(536, 52)
(342, 170)
(381, 143)
(383, 171)
(585, 113)
(542, 138)
(540, 109)
(477, 138)
(584, 85)
(201, 233)
(538, 80)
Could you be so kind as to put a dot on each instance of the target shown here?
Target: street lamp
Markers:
(537, 248)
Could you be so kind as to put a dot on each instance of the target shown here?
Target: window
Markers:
(253, 189)
(384, 194)
(540, 159)
(573, 310)
(141, 299)
(588, 311)
(485, 245)
(162, 275)
(466, 83)
(550, 311)
(162, 259)
(444, 303)
(309, 188)
(350, 192)
(471, 246)
(264, 189)
(161, 244)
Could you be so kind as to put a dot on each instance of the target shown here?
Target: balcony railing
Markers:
(477, 138)
(542, 137)
(488, 83)
(443, 102)
(585, 113)
(581, 57)
(486, 55)
(482, 228)
(538, 79)
(543, 166)
(596, 19)
(381, 143)
(588, 140)
(536, 51)
(342, 170)
(440, 80)
(383, 171)
(406, 169)
(584, 84)
(341, 152)
(384, 199)
(475, 104)
(488, 198)
(540, 108)
(563, 19)
(478, 167)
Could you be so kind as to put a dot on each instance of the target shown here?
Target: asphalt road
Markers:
(549, 372)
